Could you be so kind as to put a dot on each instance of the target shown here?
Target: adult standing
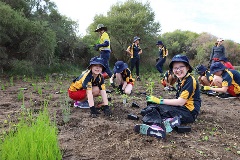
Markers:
(163, 52)
(104, 46)
(218, 51)
(135, 50)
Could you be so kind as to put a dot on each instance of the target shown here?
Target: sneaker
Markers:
(211, 93)
(153, 131)
(84, 105)
(166, 88)
(78, 104)
(170, 123)
(138, 79)
(226, 96)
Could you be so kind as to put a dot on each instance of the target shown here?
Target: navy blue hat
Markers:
(97, 60)
(216, 66)
(223, 59)
(136, 38)
(180, 58)
(200, 69)
(119, 67)
(159, 43)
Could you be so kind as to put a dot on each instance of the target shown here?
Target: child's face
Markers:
(218, 73)
(180, 69)
(96, 68)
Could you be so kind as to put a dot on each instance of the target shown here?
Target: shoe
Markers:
(171, 123)
(138, 79)
(78, 104)
(211, 93)
(153, 131)
(166, 88)
(226, 96)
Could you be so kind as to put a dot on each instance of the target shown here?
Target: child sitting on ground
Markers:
(205, 78)
(123, 77)
(169, 80)
(88, 85)
(227, 81)
(165, 114)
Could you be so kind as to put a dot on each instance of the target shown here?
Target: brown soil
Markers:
(215, 134)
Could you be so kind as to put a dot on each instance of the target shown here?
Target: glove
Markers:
(107, 111)
(94, 113)
(207, 88)
(96, 47)
(120, 89)
(157, 59)
(154, 99)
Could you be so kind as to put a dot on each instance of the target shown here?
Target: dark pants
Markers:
(160, 63)
(105, 55)
(135, 62)
(155, 114)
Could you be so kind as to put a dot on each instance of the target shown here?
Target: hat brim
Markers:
(180, 60)
(136, 40)
(103, 28)
(120, 69)
(216, 70)
(103, 67)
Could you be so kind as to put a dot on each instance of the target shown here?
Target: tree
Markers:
(126, 20)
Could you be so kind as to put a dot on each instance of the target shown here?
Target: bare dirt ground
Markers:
(215, 134)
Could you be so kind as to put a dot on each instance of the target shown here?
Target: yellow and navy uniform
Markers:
(163, 52)
(231, 78)
(188, 89)
(127, 76)
(105, 41)
(134, 50)
(208, 75)
(87, 81)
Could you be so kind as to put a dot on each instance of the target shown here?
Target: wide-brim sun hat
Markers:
(216, 66)
(136, 38)
(159, 43)
(100, 26)
(97, 60)
(200, 69)
(119, 66)
(180, 58)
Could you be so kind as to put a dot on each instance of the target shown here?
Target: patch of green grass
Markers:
(36, 139)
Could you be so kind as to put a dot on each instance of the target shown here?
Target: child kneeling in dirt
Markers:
(88, 85)
(163, 115)
(205, 78)
(123, 77)
(226, 80)
(168, 81)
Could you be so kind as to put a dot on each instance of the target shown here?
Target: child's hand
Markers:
(153, 99)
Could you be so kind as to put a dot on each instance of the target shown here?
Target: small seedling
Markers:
(11, 81)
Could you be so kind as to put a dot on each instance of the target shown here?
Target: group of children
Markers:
(161, 115)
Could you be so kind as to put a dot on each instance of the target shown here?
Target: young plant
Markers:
(66, 111)
(150, 86)
(33, 138)
(11, 81)
(20, 95)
